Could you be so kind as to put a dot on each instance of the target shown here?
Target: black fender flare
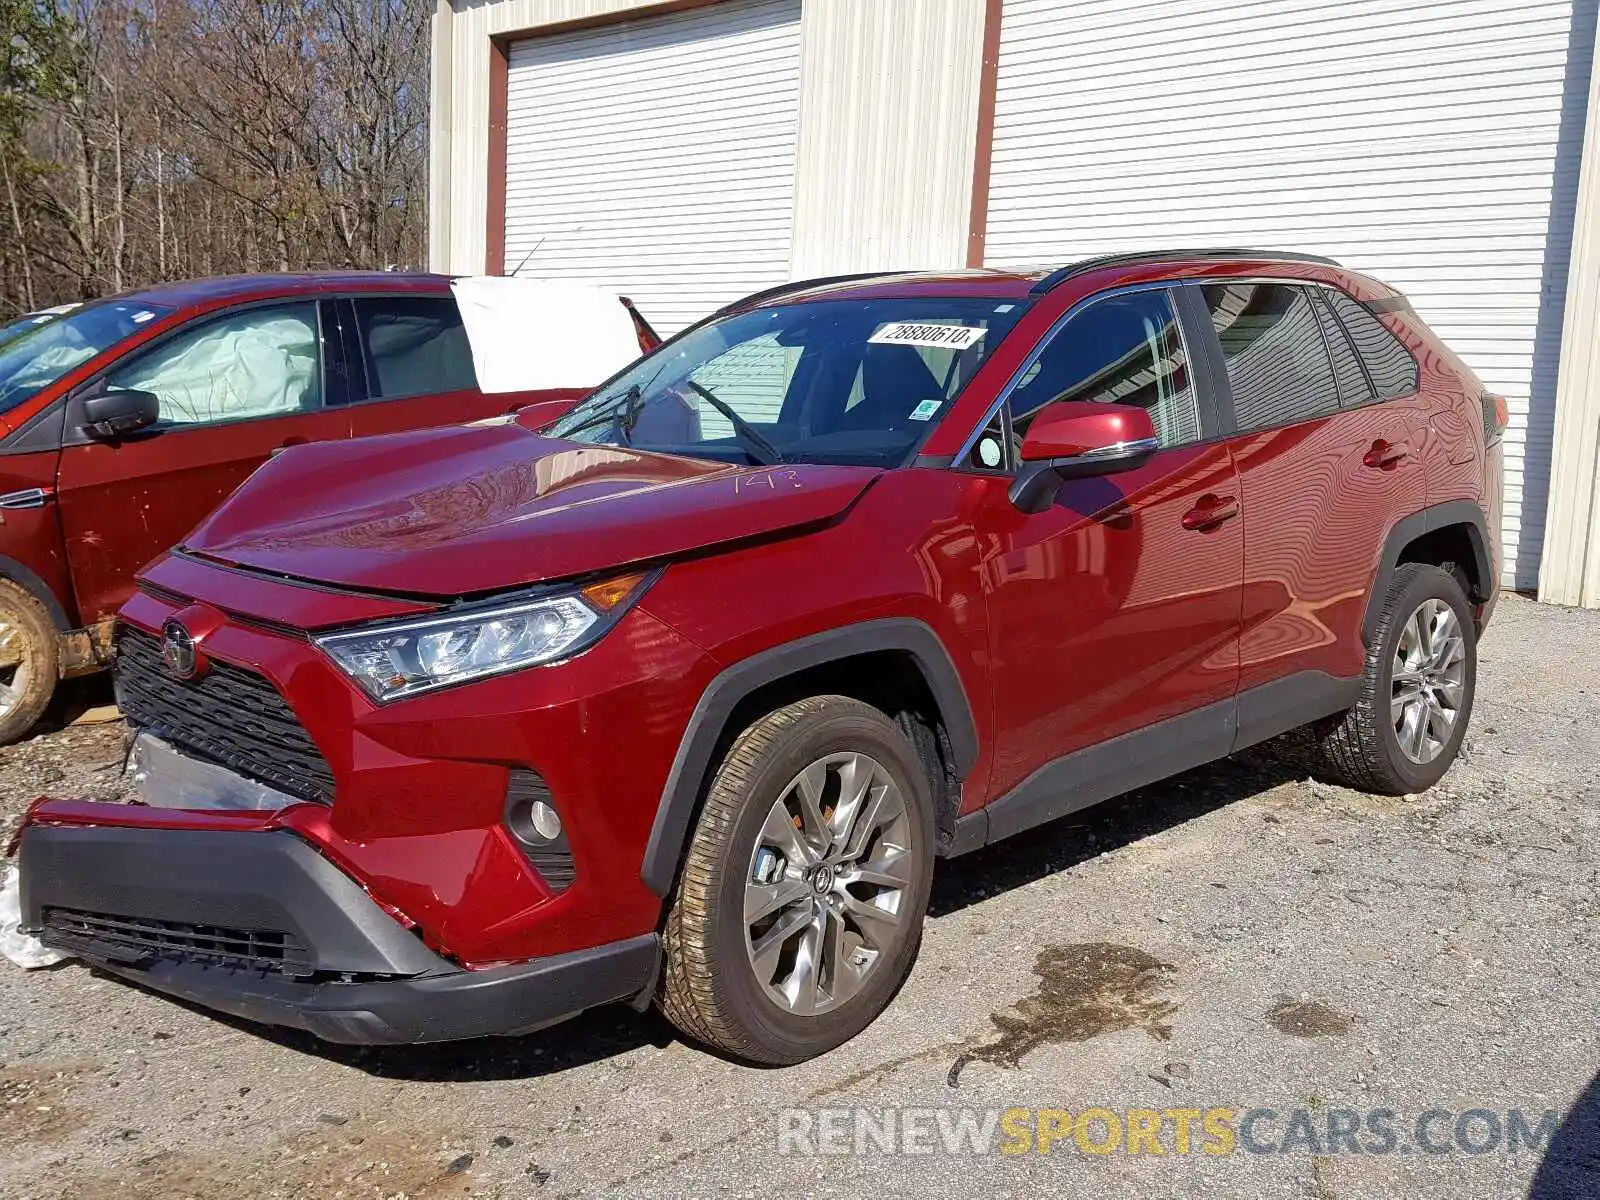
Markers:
(11, 569)
(681, 793)
(1408, 529)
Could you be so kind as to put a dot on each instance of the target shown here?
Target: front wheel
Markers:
(800, 906)
(1417, 690)
(29, 661)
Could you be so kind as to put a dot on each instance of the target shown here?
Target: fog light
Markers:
(532, 819)
(544, 821)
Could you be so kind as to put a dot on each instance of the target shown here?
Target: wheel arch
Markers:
(1420, 537)
(24, 577)
(731, 699)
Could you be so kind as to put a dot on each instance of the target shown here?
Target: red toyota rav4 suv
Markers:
(125, 421)
(461, 732)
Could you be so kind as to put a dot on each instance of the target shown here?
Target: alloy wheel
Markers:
(826, 890)
(1428, 679)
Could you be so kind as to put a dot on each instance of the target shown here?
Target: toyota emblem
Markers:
(177, 650)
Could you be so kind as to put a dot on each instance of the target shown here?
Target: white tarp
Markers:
(529, 334)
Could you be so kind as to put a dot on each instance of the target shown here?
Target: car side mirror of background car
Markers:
(119, 412)
(1073, 439)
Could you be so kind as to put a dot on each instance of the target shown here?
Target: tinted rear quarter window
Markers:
(415, 346)
(1393, 370)
(1277, 360)
(1354, 387)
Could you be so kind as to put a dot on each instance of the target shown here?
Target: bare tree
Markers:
(193, 137)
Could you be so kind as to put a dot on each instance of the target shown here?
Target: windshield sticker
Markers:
(139, 318)
(925, 410)
(918, 333)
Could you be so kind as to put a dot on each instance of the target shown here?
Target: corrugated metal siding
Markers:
(886, 134)
(657, 156)
(1434, 145)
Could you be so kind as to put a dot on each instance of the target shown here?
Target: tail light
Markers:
(1496, 416)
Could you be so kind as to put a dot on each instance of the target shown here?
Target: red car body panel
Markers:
(119, 505)
(1173, 588)
(469, 509)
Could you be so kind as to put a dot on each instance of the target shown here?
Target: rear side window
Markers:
(1354, 389)
(414, 346)
(1123, 349)
(1389, 363)
(1277, 360)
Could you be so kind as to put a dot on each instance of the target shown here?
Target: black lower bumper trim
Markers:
(261, 926)
(435, 1008)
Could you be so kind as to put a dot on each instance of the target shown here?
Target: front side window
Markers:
(257, 363)
(414, 346)
(1277, 360)
(33, 360)
(836, 381)
(1125, 349)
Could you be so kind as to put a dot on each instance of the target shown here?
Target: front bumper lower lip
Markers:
(273, 881)
(453, 1006)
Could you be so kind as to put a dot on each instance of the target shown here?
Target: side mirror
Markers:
(1073, 439)
(119, 412)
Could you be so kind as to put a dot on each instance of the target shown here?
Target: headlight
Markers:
(407, 657)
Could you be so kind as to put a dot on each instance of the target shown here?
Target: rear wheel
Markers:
(29, 661)
(1416, 695)
(800, 906)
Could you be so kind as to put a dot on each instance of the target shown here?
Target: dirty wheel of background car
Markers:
(1416, 692)
(28, 661)
(800, 906)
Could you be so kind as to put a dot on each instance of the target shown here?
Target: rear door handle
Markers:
(1210, 512)
(1384, 455)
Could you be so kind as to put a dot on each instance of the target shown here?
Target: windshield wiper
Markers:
(608, 413)
(750, 438)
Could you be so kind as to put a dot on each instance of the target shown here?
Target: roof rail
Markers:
(798, 285)
(1082, 267)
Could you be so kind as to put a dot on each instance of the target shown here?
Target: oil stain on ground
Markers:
(1084, 990)
(1307, 1018)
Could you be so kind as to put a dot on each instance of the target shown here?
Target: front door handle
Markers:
(1210, 511)
(1385, 455)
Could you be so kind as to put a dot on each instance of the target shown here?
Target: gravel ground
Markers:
(1240, 937)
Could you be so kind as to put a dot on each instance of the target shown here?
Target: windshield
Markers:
(32, 361)
(829, 381)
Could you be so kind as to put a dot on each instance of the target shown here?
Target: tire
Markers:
(1363, 748)
(723, 975)
(29, 661)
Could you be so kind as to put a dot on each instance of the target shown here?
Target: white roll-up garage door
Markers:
(1434, 145)
(657, 156)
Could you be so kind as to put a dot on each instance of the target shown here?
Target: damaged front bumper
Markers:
(254, 922)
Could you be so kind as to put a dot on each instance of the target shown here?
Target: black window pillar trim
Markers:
(693, 762)
(1207, 368)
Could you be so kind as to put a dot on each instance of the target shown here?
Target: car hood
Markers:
(476, 508)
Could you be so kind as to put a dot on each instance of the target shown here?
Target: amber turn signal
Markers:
(609, 593)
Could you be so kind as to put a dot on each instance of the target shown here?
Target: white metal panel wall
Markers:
(657, 156)
(1434, 145)
(886, 134)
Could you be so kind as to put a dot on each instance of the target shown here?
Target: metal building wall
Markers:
(888, 113)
